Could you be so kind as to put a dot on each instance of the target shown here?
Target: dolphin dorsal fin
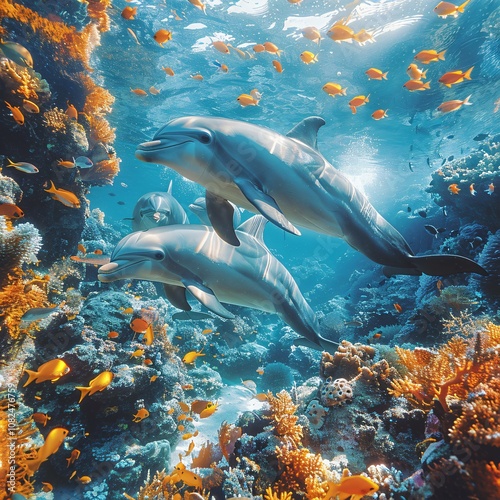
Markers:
(169, 190)
(306, 131)
(254, 227)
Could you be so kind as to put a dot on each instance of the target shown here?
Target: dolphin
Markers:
(193, 258)
(199, 208)
(287, 180)
(157, 209)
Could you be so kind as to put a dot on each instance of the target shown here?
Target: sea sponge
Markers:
(277, 376)
(315, 413)
(335, 392)
(347, 361)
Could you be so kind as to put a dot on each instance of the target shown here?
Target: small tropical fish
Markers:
(41, 418)
(356, 102)
(129, 13)
(17, 53)
(139, 92)
(376, 336)
(128, 310)
(445, 9)
(184, 406)
(113, 335)
(353, 487)
(149, 335)
(261, 396)
(363, 36)
(206, 331)
(153, 90)
(92, 259)
(259, 47)
(73, 474)
(23, 166)
(71, 111)
(176, 16)
(38, 313)
(334, 89)
(187, 387)
(433, 230)
(340, 32)
(162, 36)
(52, 443)
(410, 166)
(153, 379)
(181, 417)
(67, 198)
(221, 47)
(180, 427)
(75, 455)
(260, 370)
(51, 370)
(398, 307)
(376, 74)
(415, 73)
(190, 449)
(187, 435)
(47, 487)
(247, 100)
(197, 76)
(428, 56)
(16, 113)
(66, 163)
(277, 66)
(222, 67)
(454, 189)
(490, 190)
(30, 106)
(188, 477)
(439, 285)
(308, 57)
(137, 353)
(312, 33)
(83, 162)
(191, 356)
(199, 5)
(11, 211)
(148, 362)
(481, 137)
(139, 325)
(85, 479)
(168, 71)
(209, 410)
(140, 415)
(379, 114)
(454, 77)
(473, 192)
(131, 32)
(455, 105)
(97, 384)
(413, 85)
(272, 48)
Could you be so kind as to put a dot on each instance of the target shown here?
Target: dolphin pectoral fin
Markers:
(444, 265)
(393, 271)
(220, 212)
(207, 297)
(266, 205)
(176, 295)
(190, 315)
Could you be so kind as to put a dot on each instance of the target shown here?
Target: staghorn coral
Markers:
(271, 495)
(347, 361)
(18, 245)
(454, 369)
(284, 420)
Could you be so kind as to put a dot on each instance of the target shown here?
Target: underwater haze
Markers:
(249, 249)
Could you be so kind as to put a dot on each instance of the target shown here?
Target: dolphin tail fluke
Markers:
(444, 265)
(220, 212)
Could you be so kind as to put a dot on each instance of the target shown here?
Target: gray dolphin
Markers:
(192, 257)
(157, 209)
(199, 208)
(287, 180)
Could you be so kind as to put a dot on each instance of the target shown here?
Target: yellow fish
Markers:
(353, 487)
(137, 353)
(376, 74)
(16, 113)
(67, 198)
(445, 9)
(454, 77)
(415, 73)
(191, 356)
(30, 106)
(162, 36)
(51, 370)
(96, 385)
(247, 100)
(140, 415)
(356, 102)
(334, 89)
(52, 443)
(308, 57)
(428, 56)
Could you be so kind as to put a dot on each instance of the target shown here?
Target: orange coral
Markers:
(101, 173)
(284, 420)
(98, 100)
(347, 361)
(100, 130)
(271, 495)
(208, 454)
(228, 435)
(455, 369)
(97, 9)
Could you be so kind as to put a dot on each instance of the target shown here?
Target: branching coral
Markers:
(284, 420)
(271, 495)
(455, 369)
(228, 435)
(98, 100)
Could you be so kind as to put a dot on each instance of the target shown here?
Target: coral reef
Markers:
(335, 392)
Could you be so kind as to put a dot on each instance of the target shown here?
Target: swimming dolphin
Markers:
(157, 209)
(192, 257)
(199, 208)
(287, 180)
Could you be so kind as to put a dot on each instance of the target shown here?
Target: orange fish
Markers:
(439, 285)
(181, 417)
(137, 353)
(455, 105)
(41, 418)
(66, 163)
(398, 307)
(129, 13)
(75, 455)
(81, 248)
(356, 102)
(139, 325)
(247, 100)
(51, 370)
(379, 114)
(153, 378)
(340, 32)
(187, 387)
(16, 113)
(259, 47)
(415, 73)
(148, 362)
(85, 479)
(272, 49)
(180, 427)
(139, 92)
(277, 66)
(113, 335)
(97, 384)
(198, 4)
(148, 335)
(11, 211)
(363, 36)
(260, 370)
(454, 189)
(312, 33)
(52, 443)
(184, 406)
(376, 74)
(162, 36)
(187, 436)
(190, 449)
(472, 191)
(428, 56)
(168, 71)
(413, 85)
(308, 57)
(191, 356)
(67, 198)
(71, 111)
(197, 77)
(445, 9)
(454, 77)
(153, 90)
(334, 89)
(376, 335)
(30, 107)
(98, 251)
(490, 190)
(221, 47)
(47, 487)
(129, 310)
(140, 415)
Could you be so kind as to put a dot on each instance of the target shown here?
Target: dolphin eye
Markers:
(158, 255)
(205, 138)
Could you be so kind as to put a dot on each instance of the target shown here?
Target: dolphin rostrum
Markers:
(287, 180)
(193, 258)
(157, 209)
